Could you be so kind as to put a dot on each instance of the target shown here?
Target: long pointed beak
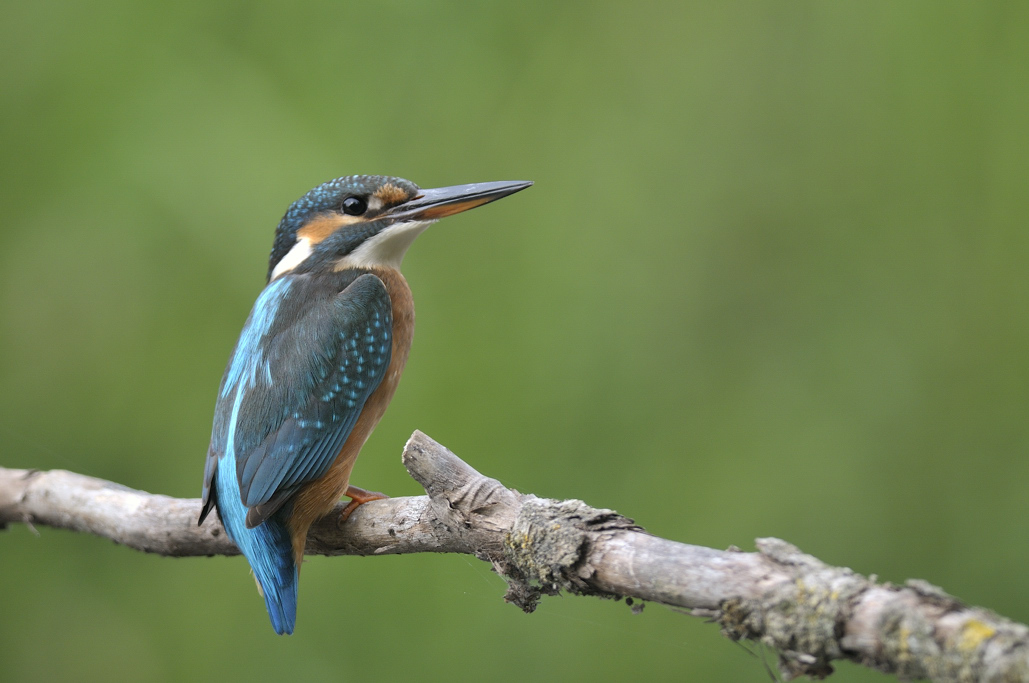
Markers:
(431, 205)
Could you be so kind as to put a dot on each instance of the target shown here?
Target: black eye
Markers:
(354, 206)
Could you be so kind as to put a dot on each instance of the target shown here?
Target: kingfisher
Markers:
(315, 366)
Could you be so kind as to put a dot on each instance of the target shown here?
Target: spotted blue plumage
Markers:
(311, 353)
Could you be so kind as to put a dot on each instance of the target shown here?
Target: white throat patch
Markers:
(384, 249)
(297, 255)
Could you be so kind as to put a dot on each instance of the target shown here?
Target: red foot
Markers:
(358, 497)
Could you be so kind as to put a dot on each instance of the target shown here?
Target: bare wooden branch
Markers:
(810, 612)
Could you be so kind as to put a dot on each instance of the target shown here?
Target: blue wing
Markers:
(303, 368)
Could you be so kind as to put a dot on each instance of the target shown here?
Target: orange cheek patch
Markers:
(391, 194)
(320, 227)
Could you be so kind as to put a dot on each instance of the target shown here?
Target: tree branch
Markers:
(810, 612)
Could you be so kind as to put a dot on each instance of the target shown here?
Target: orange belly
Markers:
(314, 500)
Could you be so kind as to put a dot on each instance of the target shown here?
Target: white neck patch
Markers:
(297, 255)
(387, 248)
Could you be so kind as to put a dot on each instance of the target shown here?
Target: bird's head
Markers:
(367, 220)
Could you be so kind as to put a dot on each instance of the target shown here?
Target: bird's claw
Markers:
(358, 497)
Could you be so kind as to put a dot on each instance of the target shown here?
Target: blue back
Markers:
(311, 353)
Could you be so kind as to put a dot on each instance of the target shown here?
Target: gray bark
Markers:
(810, 612)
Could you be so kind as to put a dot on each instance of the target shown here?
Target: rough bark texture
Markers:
(810, 612)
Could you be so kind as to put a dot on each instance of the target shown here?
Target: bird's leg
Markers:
(358, 496)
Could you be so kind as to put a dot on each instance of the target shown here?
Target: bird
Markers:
(316, 365)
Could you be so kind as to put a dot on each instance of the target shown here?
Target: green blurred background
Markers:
(771, 281)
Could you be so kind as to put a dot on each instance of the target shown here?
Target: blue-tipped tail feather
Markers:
(268, 547)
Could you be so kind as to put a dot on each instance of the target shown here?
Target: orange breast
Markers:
(316, 499)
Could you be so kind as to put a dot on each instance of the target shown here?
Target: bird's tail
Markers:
(268, 547)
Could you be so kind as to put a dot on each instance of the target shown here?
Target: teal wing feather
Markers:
(292, 394)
